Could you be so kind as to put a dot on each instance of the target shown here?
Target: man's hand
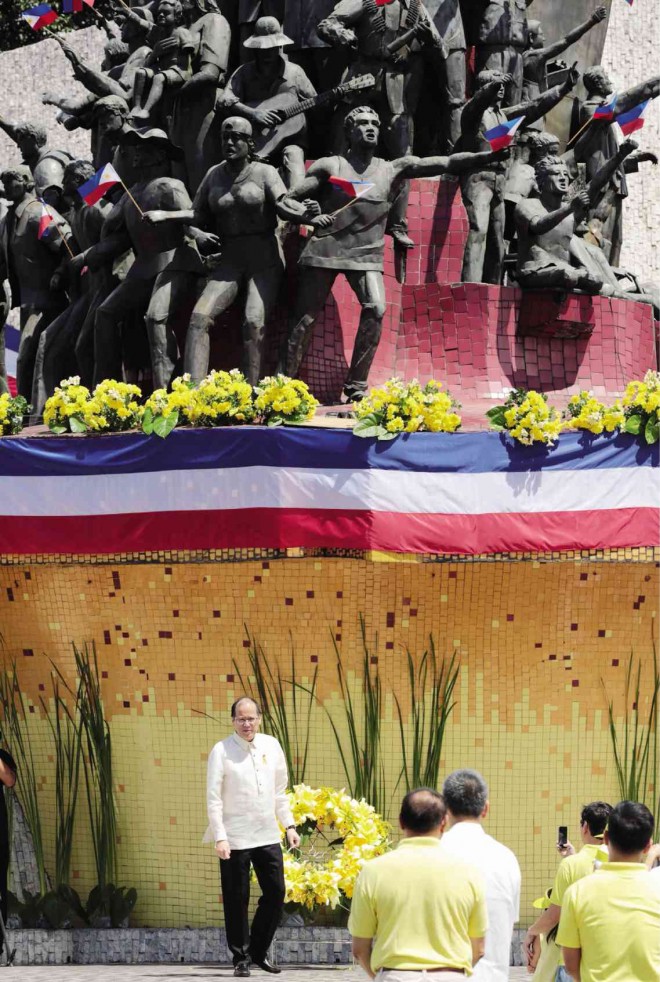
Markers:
(167, 44)
(629, 145)
(155, 217)
(222, 849)
(70, 53)
(268, 119)
(206, 242)
(579, 203)
(75, 264)
(599, 14)
(648, 156)
(322, 221)
(292, 838)
(569, 848)
(531, 949)
(571, 79)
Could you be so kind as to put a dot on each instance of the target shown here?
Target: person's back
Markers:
(610, 921)
(423, 910)
(466, 796)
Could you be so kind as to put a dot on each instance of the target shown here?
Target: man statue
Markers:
(549, 253)
(30, 262)
(598, 144)
(387, 39)
(164, 277)
(538, 53)
(501, 43)
(256, 85)
(247, 803)
(349, 236)
(450, 69)
(484, 189)
(47, 165)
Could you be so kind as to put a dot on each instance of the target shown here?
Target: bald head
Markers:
(422, 812)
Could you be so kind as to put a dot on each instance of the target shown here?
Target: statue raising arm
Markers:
(650, 89)
(95, 81)
(549, 51)
(456, 163)
(537, 108)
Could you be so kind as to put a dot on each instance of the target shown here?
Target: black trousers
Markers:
(235, 879)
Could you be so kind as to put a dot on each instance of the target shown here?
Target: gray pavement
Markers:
(184, 973)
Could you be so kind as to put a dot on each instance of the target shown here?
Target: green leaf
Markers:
(77, 425)
(651, 431)
(163, 425)
(495, 413)
(275, 421)
(634, 425)
(386, 435)
(148, 421)
(367, 430)
(58, 429)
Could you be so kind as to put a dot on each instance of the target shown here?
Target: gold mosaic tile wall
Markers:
(534, 637)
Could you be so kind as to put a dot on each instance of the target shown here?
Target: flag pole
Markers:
(131, 197)
(59, 230)
(581, 130)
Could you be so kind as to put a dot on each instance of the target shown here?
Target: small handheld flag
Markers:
(502, 135)
(40, 16)
(75, 6)
(633, 120)
(45, 220)
(606, 111)
(94, 189)
(354, 189)
(629, 2)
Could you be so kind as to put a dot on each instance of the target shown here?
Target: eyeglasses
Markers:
(241, 720)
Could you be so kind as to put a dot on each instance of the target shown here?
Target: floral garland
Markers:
(585, 412)
(405, 407)
(12, 411)
(641, 404)
(339, 834)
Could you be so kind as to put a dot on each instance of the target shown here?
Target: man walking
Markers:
(610, 921)
(466, 797)
(423, 912)
(593, 822)
(246, 797)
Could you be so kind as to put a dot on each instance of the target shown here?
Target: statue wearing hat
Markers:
(163, 280)
(262, 89)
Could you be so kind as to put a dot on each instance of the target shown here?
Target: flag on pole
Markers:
(75, 6)
(94, 189)
(629, 2)
(12, 344)
(606, 111)
(39, 16)
(634, 119)
(354, 189)
(45, 220)
(502, 135)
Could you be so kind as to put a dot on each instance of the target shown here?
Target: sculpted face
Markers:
(109, 120)
(166, 14)
(235, 137)
(28, 145)
(268, 59)
(535, 34)
(364, 129)
(15, 189)
(556, 180)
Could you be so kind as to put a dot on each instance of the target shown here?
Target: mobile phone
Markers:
(562, 835)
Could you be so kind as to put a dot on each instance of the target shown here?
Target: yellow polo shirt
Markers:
(573, 868)
(613, 916)
(421, 906)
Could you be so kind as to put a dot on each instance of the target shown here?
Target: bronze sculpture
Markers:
(46, 163)
(501, 42)
(538, 53)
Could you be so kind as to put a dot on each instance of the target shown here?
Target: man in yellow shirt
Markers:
(610, 921)
(593, 822)
(417, 910)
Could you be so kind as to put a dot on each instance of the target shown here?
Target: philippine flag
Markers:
(75, 6)
(12, 344)
(40, 16)
(502, 135)
(45, 220)
(606, 111)
(634, 119)
(94, 189)
(354, 189)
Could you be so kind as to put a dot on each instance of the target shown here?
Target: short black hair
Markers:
(630, 827)
(422, 810)
(596, 814)
(465, 793)
(241, 699)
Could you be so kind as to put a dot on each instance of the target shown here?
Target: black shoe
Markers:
(267, 966)
(242, 970)
(401, 239)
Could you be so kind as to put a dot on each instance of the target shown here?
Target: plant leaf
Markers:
(77, 425)
(58, 429)
(496, 415)
(651, 431)
(634, 425)
(148, 421)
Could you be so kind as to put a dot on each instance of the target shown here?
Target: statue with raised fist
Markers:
(539, 53)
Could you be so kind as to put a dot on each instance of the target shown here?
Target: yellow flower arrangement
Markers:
(280, 399)
(406, 407)
(339, 834)
(12, 411)
(117, 404)
(527, 417)
(585, 412)
(71, 409)
(220, 399)
(641, 403)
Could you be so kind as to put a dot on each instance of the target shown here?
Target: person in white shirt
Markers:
(466, 796)
(246, 798)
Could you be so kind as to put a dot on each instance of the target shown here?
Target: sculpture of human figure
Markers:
(256, 84)
(46, 163)
(30, 262)
(165, 275)
(549, 253)
(235, 209)
(388, 40)
(167, 67)
(484, 189)
(193, 117)
(450, 69)
(501, 42)
(60, 352)
(598, 144)
(538, 53)
(249, 12)
(349, 236)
